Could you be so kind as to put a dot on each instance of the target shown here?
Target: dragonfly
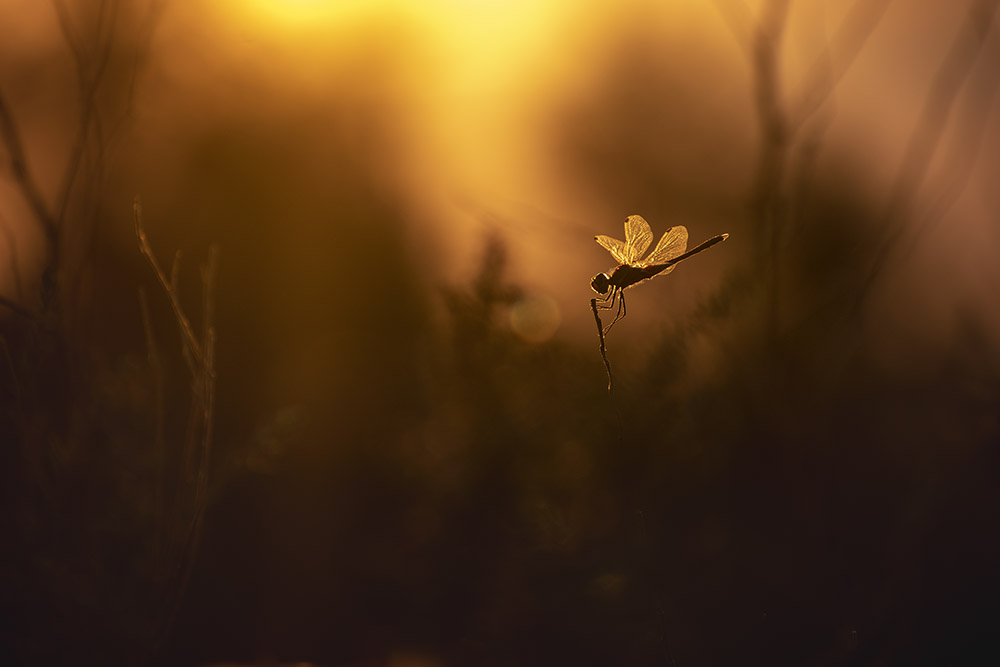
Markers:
(633, 268)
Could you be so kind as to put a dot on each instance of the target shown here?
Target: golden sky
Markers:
(547, 121)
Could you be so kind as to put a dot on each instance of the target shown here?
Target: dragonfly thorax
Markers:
(627, 275)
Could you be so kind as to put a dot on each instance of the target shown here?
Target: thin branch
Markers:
(739, 20)
(803, 161)
(207, 379)
(767, 96)
(68, 32)
(85, 91)
(159, 423)
(200, 356)
(190, 341)
(5, 302)
(826, 73)
(22, 420)
(604, 351)
(15, 268)
(808, 133)
(88, 84)
(175, 268)
(948, 81)
(768, 199)
(19, 166)
(962, 162)
(16, 308)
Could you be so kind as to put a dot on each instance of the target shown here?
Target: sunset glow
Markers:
(314, 345)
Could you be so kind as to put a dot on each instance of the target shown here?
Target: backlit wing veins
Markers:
(672, 244)
(637, 238)
(617, 248)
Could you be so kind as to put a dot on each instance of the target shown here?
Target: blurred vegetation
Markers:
(394, 471)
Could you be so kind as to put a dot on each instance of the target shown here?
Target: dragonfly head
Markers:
(601, 283)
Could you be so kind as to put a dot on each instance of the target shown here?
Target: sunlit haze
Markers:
(299, 362)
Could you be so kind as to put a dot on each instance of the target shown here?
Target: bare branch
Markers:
(19, 166)
(16, 308)
(190, 341)
(11, 304)
(12, 257)
(604, 351)
(88, 83)
(948, 81)
(827, 70)
(68, 32)
(208, 277)
(175, 268)
(768, 200)
(739, 20)
(766, 44)
(967, 147)
(200, 357)
(18, 398)
(159, 423)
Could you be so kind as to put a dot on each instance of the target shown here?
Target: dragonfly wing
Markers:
(617, 248)
(673, 243)
(637, 238)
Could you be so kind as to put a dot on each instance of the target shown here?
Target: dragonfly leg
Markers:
(621, 310)
(607, 302)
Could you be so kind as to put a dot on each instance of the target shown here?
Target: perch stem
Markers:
(604, 349)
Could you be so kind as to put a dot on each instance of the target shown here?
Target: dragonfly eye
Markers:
(601, 283)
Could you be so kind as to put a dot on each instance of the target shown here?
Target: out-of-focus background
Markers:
(364, 419)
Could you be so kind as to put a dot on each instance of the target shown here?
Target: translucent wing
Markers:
(672, 244)
(637, 238)
(615, 247)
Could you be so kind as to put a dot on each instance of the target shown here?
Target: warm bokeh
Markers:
(415, 459)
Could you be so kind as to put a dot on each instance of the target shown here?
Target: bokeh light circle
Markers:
(535, 318)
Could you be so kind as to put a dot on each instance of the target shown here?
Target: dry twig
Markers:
(604, 351)
(200, 356)
(949, 79)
